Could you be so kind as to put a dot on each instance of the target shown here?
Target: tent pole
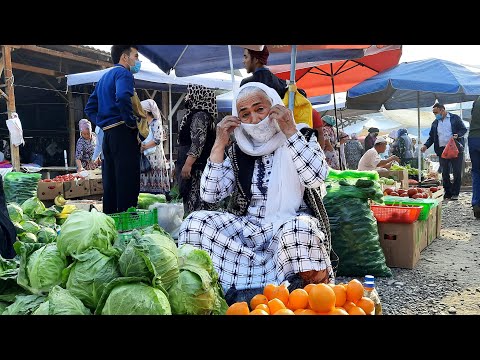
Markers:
(170, 130)
(335, 112)
(418, 142)
(293, 65)
(232, 72)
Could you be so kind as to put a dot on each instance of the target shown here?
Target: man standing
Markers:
(371, 160)
(445, 126)
(110, 107)
(370, 138)
(254, 62)
(474, 150)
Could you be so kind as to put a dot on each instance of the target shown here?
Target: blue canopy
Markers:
(198, 59)
(416, 84)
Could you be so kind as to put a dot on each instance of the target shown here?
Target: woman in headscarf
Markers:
(156, 181)
(353, 152)
(272, 230)
(196, 136)
(85, 146)
(405, 152)
(330, 138)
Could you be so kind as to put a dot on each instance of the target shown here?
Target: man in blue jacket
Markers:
(110, 108)
(445, 126)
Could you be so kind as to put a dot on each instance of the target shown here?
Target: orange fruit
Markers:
(338, 311)
(263, 307)
(340, 295)
(257, 300)
(298, 299)
(347, 305)
(238, 308)
(355, 310)
(275, 304)
(354, 290)
(366, 304)
(321, 298)
(281, 292)
(309, 312)
(284, 312)
(258, 312)
(299, 311)
(309, 287)
(268, 291)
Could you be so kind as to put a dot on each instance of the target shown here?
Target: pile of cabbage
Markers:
(92, 269)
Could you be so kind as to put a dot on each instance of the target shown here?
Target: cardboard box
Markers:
(439, 218)
(401, 243)
(49, 190)
(96, 186)
(423, 241)
(76, 188)
(397, 175)
(432, 225)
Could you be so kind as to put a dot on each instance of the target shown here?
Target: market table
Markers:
(48, 169)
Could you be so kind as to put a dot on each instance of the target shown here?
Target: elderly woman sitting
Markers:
(85, 147)
(275, 227)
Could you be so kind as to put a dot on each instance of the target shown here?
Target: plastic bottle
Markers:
(372, 294)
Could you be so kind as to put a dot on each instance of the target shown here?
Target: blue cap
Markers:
(369, 284)
(369, 278)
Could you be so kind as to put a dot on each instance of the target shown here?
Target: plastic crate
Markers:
(134, 219)
(396, 214)
(426, 204)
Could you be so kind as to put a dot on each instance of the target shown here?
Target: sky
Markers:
(462, 54)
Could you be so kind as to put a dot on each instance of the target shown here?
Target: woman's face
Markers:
(253, 108)
(86, 134)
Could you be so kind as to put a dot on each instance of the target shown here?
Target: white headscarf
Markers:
(285, 191)
(151, 106)
(84, 124)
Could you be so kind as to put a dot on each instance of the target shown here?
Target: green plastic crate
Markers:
(426, 204)
(135, 219)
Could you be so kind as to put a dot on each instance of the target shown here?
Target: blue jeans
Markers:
(456, 166)
(474, 150)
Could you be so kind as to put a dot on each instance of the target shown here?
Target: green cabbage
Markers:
(127, 297)
(188, 296)
(85, 230)
(47, 221)
(146, 199)
(15, 212)
(30, 226)
(33, 206)
(41, 266)
(24, 305)
(28, 237)
(46, 235)
(90, 274)
(62, 302)
(153, 256)
(8, 280)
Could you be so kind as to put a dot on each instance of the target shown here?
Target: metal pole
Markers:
(293, 65)
(418, 142)
(232, 71)
(335, 112)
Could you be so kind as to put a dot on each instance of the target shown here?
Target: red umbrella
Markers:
(321, 78)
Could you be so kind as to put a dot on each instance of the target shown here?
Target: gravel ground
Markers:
(446, 279)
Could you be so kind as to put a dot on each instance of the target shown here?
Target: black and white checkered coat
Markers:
(245, 251)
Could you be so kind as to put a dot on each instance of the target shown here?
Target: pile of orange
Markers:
(313, 299)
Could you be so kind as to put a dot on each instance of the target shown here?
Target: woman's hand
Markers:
(224, 128)
(186, 171)
(284, 118)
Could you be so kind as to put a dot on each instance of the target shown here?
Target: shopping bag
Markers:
(15, 129)
(451, 150)
(302, 109)
(145, 165)
(142, 123)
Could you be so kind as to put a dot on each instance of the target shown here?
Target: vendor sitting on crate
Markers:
(371, 160)
(275, 227)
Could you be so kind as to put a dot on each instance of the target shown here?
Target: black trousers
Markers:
(455, 165)
(120, 169)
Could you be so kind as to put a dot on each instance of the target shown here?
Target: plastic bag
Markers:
(451, 150)
(170, 217)
(145, 165)
(15, 128)
(302, 110)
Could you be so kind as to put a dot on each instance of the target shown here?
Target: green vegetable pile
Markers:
(91, 269)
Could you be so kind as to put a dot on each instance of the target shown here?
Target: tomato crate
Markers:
(134, 219)
(396, 214)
